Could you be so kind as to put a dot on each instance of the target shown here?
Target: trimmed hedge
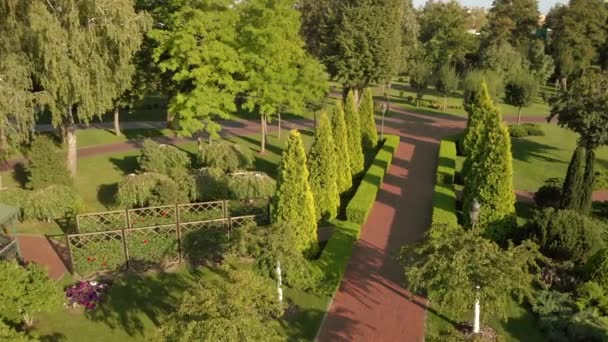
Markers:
(446, 167)
(361, 204)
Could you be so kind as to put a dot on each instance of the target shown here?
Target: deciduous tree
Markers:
(447, 82)
(420, 74)
(520, 91)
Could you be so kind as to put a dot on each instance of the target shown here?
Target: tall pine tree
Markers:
(344, 178)
(294, 202)
(353, 130)
(369, 134)
(490, 177)
(323, 171)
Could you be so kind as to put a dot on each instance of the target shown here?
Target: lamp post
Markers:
(279, 282)
(477, 312)
(474, 212)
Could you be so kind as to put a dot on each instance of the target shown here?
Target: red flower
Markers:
(94, 259)
(104, 264)
(163, 213)
(89, 258)
(145, 242)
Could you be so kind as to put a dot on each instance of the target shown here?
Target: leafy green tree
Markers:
(489, 174)
(323, 171)
(542, 65)
(369, 133)
(8, 334)
(353, 131)
(237, 306)
(443, 34)
(280, 84)
(78, 50)
(451, 268)
(520, 91)
(344, 178)
(227, 156)
(512, 22)
(582, 109)
(471, 85)
(447, 82)
(198, 45)
(420, 75)
(363, 45)
(294, 201)
(46, 166)
(410, 30)
(26, 290)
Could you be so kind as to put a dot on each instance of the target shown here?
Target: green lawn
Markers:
(520, 324)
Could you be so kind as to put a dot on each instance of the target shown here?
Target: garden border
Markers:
(444, 194)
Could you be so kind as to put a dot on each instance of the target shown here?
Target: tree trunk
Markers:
(574, 180)
(117, 121)
(586, 199)
(279, 126)
(263, 127)
(445, 102)
(70, 137)
(518, 115)
(565, 83)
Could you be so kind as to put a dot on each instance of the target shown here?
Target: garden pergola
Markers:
(9, 247)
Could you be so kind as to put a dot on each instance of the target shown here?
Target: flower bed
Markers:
(87, 294)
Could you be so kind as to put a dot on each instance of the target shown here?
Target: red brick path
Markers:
(37, 249)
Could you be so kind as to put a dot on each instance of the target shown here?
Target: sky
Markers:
(543, 5)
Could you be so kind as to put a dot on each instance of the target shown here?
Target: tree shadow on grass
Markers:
(106, 194)
(127, 164)
(134, 299)
(526, 150)
(21, 175)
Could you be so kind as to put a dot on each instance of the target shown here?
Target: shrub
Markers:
(211, 184)
(597, 268)
(10, 334)
(447, 162)
(88, 294)
(148, 189)
(361, 204)
(444, 210)
(566, 234)
(410, 99)
(164, 159)
(248, 185)
(229, 157)
(549, 195)
(533, 129)
(47, 164)
(600, 180)
(52, 203)
(517, 131)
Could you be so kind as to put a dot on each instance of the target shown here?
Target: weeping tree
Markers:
(78, 50)
(344, 179)
(582, 108)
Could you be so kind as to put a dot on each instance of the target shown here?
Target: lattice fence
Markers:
(8, 249)
(197, 212)
(150, 247)
(101, 222)
(152, 216)
(95, 252)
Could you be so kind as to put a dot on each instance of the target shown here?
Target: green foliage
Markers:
(471, 85)
(526, 129)
(47, 164)
(148, 189)
(8, 334)
(228, 156)
(98, 255)
(511, 22)
(592, 295)
(549, 195)
(210, 243)
(451, 267)
(294, 202)
(573, 184)
(152, 247)
(447, 80)
(521, 89)
(26, 290)
(542, 65)
(446, 167)
(238, 305)
(249, 185)
(517, 131)
(369, 133)
(323, 171)
(444, 211)
(353, 131)
(344, 178)
(197, 46)
(420, 75)
(211, 184)
(362, 202)
(567, 235)
(489, 175)
(597, 268)
(164, 159)
(51, 203)
(480, 110)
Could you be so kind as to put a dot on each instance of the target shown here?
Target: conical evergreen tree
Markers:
(573, 184)
(490, 179)
(353, 130)
(369, 134)
(323, 171)
(294, 202)
(586, 196)
(344, 178)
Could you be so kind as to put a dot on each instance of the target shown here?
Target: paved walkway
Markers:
(37, 249)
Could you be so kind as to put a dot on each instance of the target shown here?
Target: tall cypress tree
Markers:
(490, 178)
(344, 178)
(586, 197)
(369, 134)
(573, 184)
(323, 171)
(294, 202)
(353, 130)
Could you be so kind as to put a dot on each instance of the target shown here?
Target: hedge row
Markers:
(361, 204)
(444, 197)
(337, 252)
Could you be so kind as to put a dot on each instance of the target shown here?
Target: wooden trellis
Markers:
(152, 216)
(205, 211)
(150, 246)
(104, 221)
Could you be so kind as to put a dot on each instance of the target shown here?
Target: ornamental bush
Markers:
(294, 202)
(52, 203)
(446, 167)
(149, 189)
(228, 156)
(9, 334)
(353, 132)
(47, 164)
(163, 159)
(344, 178)
(250, 185)
(597, 268)
(323, 170)
(549, 195)
(566, 234)
(369, 134)
(211, 184)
